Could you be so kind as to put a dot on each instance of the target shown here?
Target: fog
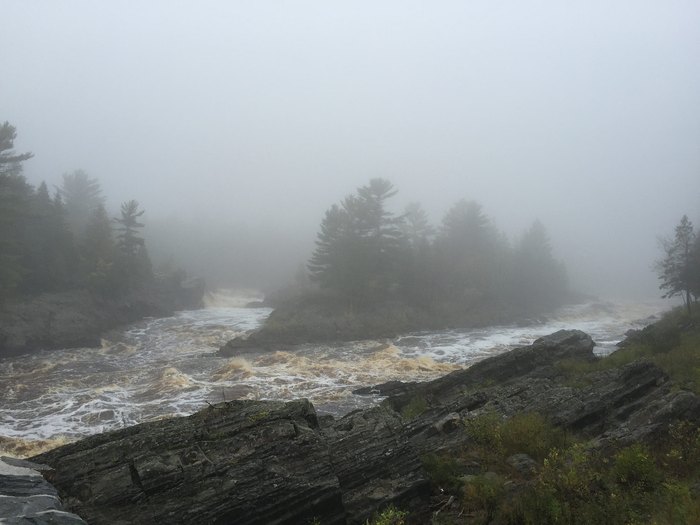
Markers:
(237, 124)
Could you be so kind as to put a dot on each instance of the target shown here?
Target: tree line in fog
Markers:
(65, 239)
(365, 254)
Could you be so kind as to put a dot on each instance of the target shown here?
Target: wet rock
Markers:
(376, 464)
(449, 423)
(239, 462)
(390, 388)
(26, 498)
(253, 343)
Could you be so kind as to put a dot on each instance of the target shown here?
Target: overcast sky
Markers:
(259, 115)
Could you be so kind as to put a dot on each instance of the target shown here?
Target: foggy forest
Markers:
(376, 263)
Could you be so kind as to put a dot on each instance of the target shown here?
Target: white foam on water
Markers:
(166, 367)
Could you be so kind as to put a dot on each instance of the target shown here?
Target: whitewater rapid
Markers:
(167, 367)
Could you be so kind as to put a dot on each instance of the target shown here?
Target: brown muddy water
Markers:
(165, 367)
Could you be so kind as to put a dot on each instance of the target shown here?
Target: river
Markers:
(166, 367)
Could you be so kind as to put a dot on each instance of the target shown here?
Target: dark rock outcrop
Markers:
(271, 462)
(238, 462)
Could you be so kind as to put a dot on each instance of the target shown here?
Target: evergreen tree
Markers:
(10, 162)
(82, 196)
(15, 201)
(417, 276)
(327, 262)
(98, 253)
(357, 246)
(694, 272)
(128, 238)
(471, 254)
(538, 279)
(134, 265)
(677, 270)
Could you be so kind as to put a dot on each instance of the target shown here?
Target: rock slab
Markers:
(26, 498)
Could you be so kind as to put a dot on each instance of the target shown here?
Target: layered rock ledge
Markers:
(264, 462)
(26, 498)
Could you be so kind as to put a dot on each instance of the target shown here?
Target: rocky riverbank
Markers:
(258, 462)
(320, 318)
(77, 318)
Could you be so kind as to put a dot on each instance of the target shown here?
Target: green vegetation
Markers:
(571, 482)
(389, 516)
(673, 344)
(414, 408)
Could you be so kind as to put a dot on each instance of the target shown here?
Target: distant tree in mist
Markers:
(49, 252)
(415, 226)
(471, 253)
(678, 270)
(97, 253)
(15, 198)
(694, 274)
(82, 196)
(537, 277)
(366, 254)
(133, 261)
(64, 242)
(357, 244)
(10, 162)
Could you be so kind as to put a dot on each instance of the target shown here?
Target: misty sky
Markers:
(257, 116)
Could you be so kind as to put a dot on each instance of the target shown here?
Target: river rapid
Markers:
(166, 367)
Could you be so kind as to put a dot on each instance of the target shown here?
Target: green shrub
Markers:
(444, 472)
(677, 505)
(485, 431)
(531, 434)
(389, 516)
(682, 453)
(483, 494)
(635, 468)
(414, 408)
(528, 433)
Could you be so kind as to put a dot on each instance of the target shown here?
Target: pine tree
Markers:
(538, 279)
(81, 195)
(15, 202)
(470, 253)
(357, 245)
(677, 269)
(10, 162)
(134, 265)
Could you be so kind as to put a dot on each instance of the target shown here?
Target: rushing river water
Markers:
(165, 367)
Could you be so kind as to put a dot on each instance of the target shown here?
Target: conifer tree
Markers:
(133, 261)
(678, 270)
(81, 195)
(15, 201)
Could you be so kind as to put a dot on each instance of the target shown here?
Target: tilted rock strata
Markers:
(26, 498)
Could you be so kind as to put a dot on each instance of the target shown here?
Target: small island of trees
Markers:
(376, 273)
